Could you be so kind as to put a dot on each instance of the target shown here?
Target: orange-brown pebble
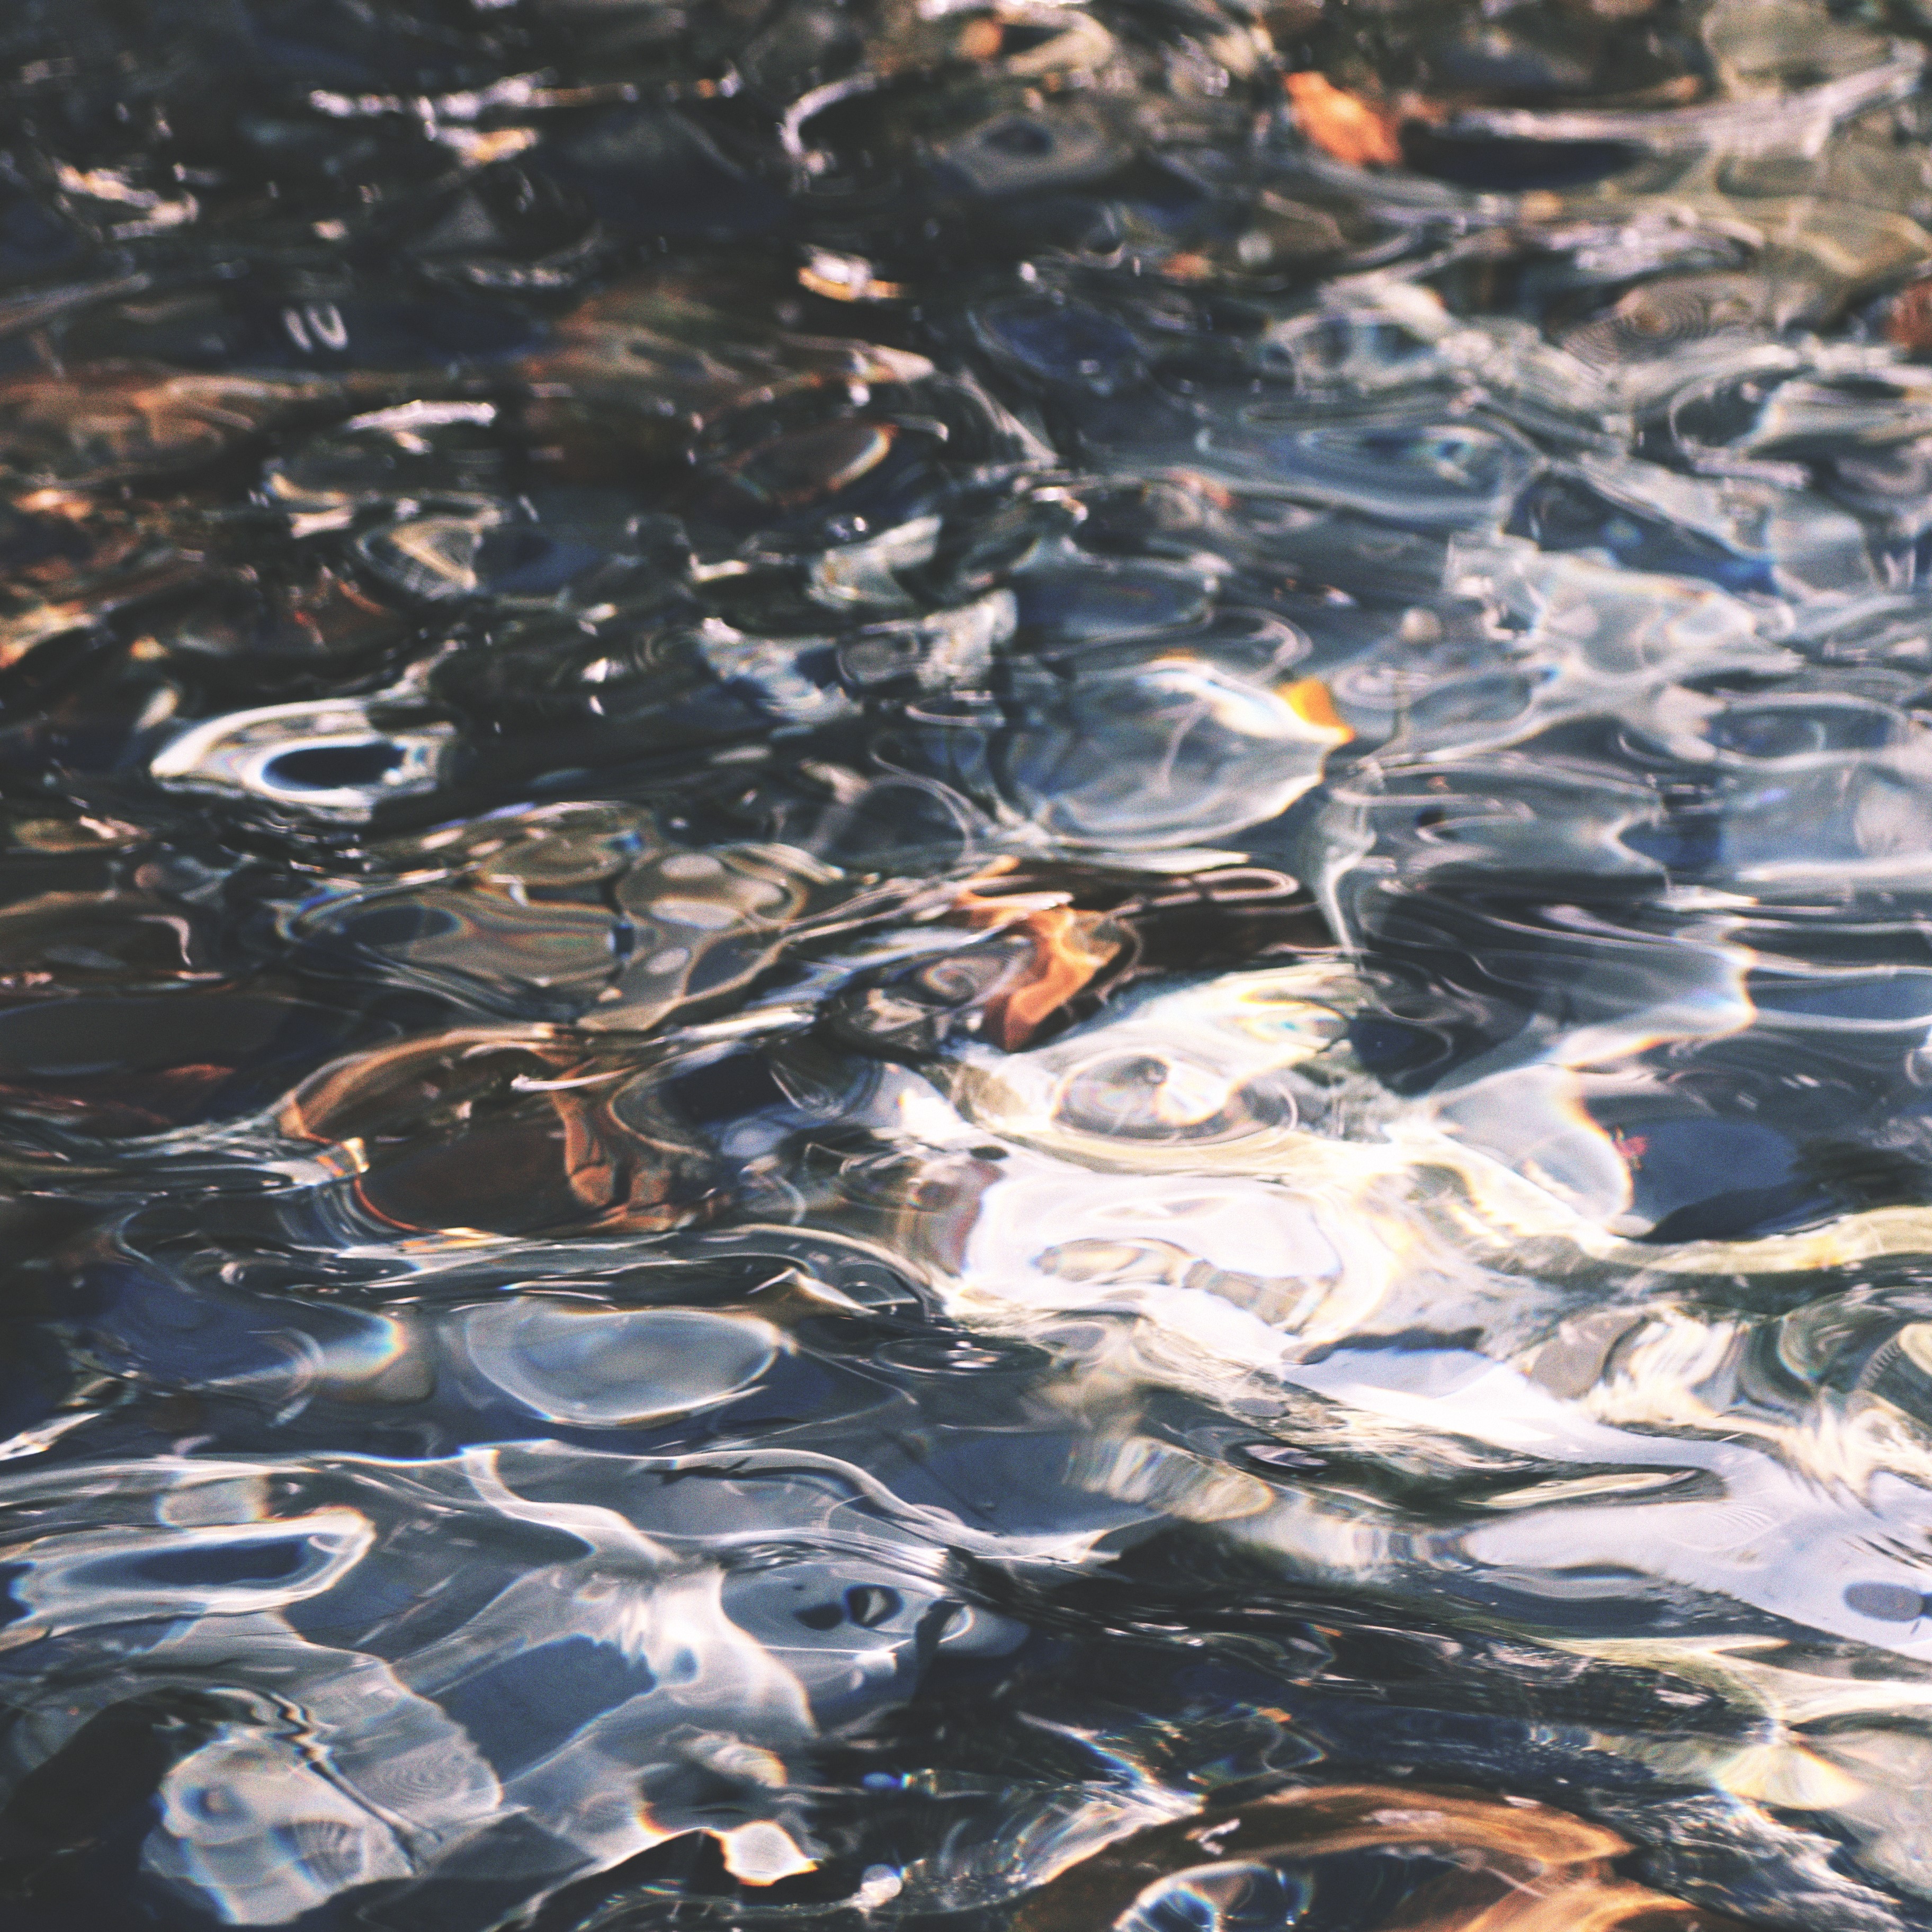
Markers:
(1908, 322)
(980, 40)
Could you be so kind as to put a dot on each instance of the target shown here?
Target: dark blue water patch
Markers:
(327, 768)
(1561, 512)
(397, 925)
(1071, 606)
(1513, 165)
(344, 328)
(1397, 1051)
(517, 560)
(306, 43)
(1028, 152)
(1802, 725)
(313, 170)
(216, 1566)
(35, 1380)
(28, 542)
(726, 1089)
(1881, 999)
(1686, 837)
(520, 1708)
(1701, 1179)
(71, 1831)
(142, 1064)
(34, 241)
(1013, 1482)
(505, 222)
(648, 172)
(1062, 342)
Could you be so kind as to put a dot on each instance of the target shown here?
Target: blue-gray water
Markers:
(965, 967)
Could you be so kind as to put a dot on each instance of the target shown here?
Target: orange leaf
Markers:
(1340, 124)
(1308, 698)
(1066, 956)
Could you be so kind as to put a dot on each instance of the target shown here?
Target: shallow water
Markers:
(966, 963)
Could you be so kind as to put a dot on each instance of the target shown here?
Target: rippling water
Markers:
(966, 963)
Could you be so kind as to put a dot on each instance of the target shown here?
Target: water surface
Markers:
(966, 965)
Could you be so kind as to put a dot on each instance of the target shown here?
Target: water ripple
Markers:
(966, 961)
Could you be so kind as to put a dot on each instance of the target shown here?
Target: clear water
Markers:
(966, 964)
